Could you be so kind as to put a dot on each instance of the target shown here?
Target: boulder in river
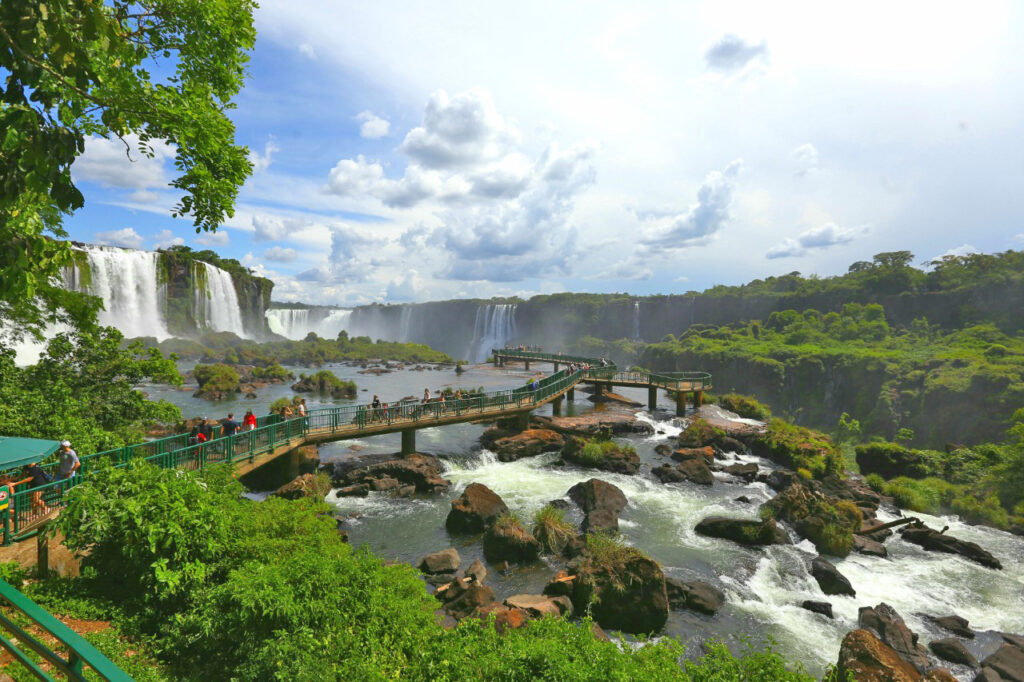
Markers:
(527, 443)
(507, 540)
(935, 541)
(445, 561)
(306, 485)
(539, 605)
(475, 509)
(822, 607)
(696, 471)
(462, 599)
(623, 588)
(1007, 662)
(600, 520)
(862, 544)
(956, 624)
(605, 455)
(830, 579)
(705, 454)
(890, 628)
(597, 494)
(695, 595)
(422, 471)
(747, 472)
(952, 649)
(865, 658)
(743, 531)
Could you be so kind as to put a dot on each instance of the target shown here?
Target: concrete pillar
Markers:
(523, 420)
(680, 403)
(527, 363)
(652, 397)
(556, 366)
(571, 394)
(556, 407)
(408, 441)
(598, 389)
(501, 361)
(698, 399)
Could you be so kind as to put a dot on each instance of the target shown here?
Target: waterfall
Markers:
(494, 326)
(297, 323)
(636, 319)
(216, 302)
(134, 298)
(404, 326)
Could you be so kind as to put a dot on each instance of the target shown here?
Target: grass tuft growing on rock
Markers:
(551, 529)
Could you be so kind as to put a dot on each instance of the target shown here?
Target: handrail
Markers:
(80, 651)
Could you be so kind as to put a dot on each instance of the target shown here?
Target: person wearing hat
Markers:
(205, 430)
(69, 463)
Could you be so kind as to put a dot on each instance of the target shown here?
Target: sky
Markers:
(435, 150)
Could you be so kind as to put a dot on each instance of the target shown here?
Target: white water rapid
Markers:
(494, 326)
(297, 323)
(217, 305)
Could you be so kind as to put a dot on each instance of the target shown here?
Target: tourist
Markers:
(195, 435)
(69, 462)
(287, 412)
(205, 431)
(36, 477)
(228, 427)
(426, 395)
(249, 421)
(302, 407)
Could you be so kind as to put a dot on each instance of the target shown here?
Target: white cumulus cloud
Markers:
(460, 130)
(730, 53)
(373, 126)
(280, 254)
(165, 239)
(113, 163)
(261, 162)
(218, 238)
(805, 159)
(821, 237)
(126, 237)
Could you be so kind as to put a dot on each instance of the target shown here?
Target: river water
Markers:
(763, 586)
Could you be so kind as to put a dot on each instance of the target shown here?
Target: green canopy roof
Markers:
(17, 452)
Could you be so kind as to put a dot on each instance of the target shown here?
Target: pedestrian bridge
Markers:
(274, 436)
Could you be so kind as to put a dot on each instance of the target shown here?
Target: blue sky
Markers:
(442, 150)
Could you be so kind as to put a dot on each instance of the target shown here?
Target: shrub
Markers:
(272, 372)
(799, 448)
(745, 406)
(699, 433)
(218, 378)
(325, 381)
(551, 529)
(876, 482)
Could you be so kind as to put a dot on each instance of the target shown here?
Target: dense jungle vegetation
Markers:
(312, 351)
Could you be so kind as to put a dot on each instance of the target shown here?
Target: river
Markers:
(763, 586)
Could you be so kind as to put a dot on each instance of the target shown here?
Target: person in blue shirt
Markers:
(69, 463)
(229, 426)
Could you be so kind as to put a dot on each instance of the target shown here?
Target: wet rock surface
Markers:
(956, 624)
(528, 443)
(475, 509)
(822, 607)
(952, 650)
(445, 561)
(865, 658)
(743, 531)
(935, 541)
(628, 596)
(830, 579)
(620, 460)
(419, 470)
(694, 595)
(890, 628)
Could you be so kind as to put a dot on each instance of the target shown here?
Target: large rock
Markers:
(696, 471)
(952, 650)
(865, 545)
(617, 460)
(617, 422)
(695, 595)
(597, 494)
(507, 540)
(865, 658)
(539, 605)
(422, 471)
(462, 600)
(306, 485)
(743, 531)
(600, 520)
(475, 509)
(830, 579)
(747, 472)
(1008, 662)
(891, 629)
(705, 454)
(626, 593)
(528, 443)
(822, 607)
(446, 561)
(505, 617)
(956, 624)
(939, 542)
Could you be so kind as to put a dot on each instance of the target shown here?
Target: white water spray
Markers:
(494, 326)
(216, 304)
(134, 300)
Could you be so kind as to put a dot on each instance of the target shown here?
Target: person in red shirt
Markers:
(249, 421)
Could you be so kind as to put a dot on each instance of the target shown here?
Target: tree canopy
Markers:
(140, 71)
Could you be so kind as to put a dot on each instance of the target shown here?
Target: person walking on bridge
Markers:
(229, 427)
(249, 421)
(69, 462)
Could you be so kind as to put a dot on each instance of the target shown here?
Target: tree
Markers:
(77, 68)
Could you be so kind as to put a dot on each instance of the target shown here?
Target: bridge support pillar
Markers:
(556, 407)
(698, 399)
(408, 441)
(527, 363)
(571, 395)
(652, 397)
(522, 420)
(556, 366)
(680, 403)
(598, 389)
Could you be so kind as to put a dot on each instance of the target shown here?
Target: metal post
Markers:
(652, 397)
(408, 441)
(43, 554)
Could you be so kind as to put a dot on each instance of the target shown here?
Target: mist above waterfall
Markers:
(297, 323)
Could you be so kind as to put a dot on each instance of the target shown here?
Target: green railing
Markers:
(80, 653)
(690, 381)
(696, 381)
